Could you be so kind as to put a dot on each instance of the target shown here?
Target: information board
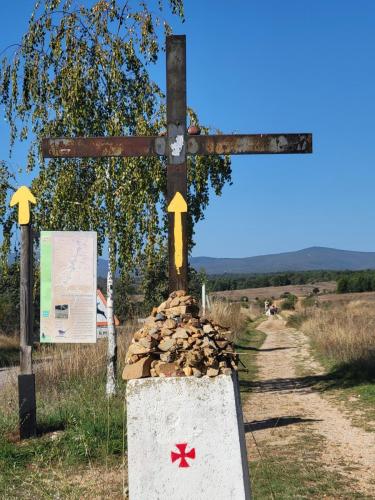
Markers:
(68, 264)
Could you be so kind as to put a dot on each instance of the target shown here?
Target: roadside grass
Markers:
(80, 430)
(9, 350)
(248, 344)
(293, 470)
(351, 385)
(286, 468)
(342, 340)
(77, 426)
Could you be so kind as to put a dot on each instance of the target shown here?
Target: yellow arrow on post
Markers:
(23, 197)
(178, 205)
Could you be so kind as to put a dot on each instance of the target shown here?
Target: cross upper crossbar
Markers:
(100, 147)
(176, 145)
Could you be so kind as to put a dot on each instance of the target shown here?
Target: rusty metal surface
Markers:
(249, 144)
(99, 147)
(176, 152)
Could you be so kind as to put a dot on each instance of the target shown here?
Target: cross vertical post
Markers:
(176, 168)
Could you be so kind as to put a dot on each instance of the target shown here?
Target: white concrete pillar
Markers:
(186, 439)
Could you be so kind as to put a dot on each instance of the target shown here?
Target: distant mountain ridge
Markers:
(308, 259)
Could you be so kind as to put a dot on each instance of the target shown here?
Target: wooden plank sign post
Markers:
(26, 379)
(176, 146)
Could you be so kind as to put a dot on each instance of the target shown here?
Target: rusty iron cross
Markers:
(176, 145)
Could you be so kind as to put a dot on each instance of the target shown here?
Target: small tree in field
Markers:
(290, 302)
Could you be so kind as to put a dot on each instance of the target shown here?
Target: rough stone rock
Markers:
(156, 336)
(195, 322)
(145, 342)
(194, 358)
(165, 332)
(137, 348)
(139, 369)
(166, 344)
(186, 298)
(188, 371)
(212, 372)
(137, 335)
(196, 372)
(180, 333)
(170, 323)
(222, 344)
(162, 306)
(208, 328)
(170, 370)
(166, 356)
(176, 311)
(133, 358)
(175, 302)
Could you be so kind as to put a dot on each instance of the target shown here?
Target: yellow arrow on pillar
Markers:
(23, 197)
(178, 205)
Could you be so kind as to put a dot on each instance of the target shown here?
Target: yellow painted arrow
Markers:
(178, 205)
(23, 197)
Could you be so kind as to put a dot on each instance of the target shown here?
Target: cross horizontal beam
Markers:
(100, 147)
(249, 144)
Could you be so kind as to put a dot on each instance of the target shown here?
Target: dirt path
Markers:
(283, 405)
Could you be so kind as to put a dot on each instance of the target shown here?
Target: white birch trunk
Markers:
(112, 338)
(204, 298)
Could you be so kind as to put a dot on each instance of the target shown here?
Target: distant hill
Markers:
(308, 259)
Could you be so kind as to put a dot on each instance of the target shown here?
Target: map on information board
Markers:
(68, 264)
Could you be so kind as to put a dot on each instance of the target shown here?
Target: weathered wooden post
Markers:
(26, 378)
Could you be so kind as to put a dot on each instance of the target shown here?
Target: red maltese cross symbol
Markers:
(182, 455)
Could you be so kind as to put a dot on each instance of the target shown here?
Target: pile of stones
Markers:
(176, 342)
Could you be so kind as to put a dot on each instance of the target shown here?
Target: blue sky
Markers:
(276, 67)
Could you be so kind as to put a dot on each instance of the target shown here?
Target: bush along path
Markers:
(301, 444)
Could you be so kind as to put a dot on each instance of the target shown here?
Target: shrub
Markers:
(289, 303)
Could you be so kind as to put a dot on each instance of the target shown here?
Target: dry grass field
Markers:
(345, 298)
(295, 388)
(276, 291)
(344, 333)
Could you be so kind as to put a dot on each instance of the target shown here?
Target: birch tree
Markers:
(7, 217)
(83, 70)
